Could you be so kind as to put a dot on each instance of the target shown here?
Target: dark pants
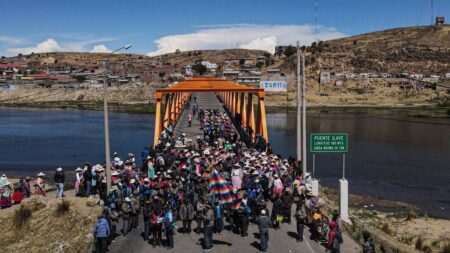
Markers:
(199, 225)
(100, 245)
(264, 236)
(146, 229)
(300, 227)
(134, 220)
(169, 236)
(208, 237)
(287, 214)
(157, 234)
(187, 226)
(126, 225)
(218, 224)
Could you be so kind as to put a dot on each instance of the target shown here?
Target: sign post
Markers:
(334, 143)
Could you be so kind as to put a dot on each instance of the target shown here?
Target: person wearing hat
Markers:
(78, 180)
(39, 185)
(59, 179)
(126, 212)
(5, 191)
(236, 176)
(101, 234)
(17, 196)
(264, 224)
(208, 229)
(187, 214)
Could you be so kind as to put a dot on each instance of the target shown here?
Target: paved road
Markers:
(281, 240)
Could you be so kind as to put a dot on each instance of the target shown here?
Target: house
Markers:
(212, 67)
(279, 50)
(188, 70)
(325, 77)
(231, 74)
(273, 72)
(248, 80)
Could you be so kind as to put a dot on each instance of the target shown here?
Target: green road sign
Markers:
(329, 142)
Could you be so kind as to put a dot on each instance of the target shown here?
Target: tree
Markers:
(199, 68)
(241, 61)
(260, 64)
(290, 50)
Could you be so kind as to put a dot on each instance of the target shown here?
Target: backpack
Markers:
(339, 237)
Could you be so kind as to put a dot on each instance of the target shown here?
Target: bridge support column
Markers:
(242, 110)
(167, 112)
(261, 126)
(250, 114)
(172, 106)
(158, 120)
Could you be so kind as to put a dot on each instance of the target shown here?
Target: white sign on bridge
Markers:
(278, 86)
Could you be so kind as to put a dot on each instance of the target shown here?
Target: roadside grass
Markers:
(21, 217)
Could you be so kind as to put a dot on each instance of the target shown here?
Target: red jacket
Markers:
(332, 234)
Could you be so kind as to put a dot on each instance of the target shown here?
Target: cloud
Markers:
(10, 40)
(49, 45)
(264, 37)
(100, 49)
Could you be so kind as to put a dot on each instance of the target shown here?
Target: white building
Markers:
(210, 66)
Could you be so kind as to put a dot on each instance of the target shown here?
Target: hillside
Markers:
(424, 49)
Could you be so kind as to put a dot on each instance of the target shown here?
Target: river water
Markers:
(390, 156)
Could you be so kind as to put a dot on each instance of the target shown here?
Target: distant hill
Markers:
(424, 49)
(177, 58)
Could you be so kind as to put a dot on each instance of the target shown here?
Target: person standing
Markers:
(369, 243)
(333, 241)
(78, 180)
(126, 212)
(218, 215)
(288, 200)
(208, 229)
(59, 179)
(27, 187)
(201, 210)
(190, 119)
(135, 210)
(101, 234)
(169, 226)
(187, 214)
(39, 185)
(300, 216)
(156, 221)
(264, 224)
(146, 213)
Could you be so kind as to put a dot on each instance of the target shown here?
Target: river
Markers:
(390, 156)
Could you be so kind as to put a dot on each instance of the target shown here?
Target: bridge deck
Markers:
(204, 101)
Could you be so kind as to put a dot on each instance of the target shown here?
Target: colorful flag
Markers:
(220, 188)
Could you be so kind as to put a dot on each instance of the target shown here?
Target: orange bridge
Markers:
(237, 98)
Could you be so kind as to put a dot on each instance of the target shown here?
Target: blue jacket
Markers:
(101, 228)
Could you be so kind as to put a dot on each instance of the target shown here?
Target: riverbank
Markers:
(395, 226)
(415, 111)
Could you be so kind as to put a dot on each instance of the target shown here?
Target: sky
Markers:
(157, 27)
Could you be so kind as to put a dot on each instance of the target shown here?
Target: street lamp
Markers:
(105, 110)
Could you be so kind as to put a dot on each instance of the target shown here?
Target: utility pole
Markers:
(432, 12)
(303, 117)
(299, 123)
(105, 110)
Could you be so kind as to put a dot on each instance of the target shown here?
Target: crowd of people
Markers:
(172, 189)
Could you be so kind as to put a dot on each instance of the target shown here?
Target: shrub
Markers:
(22, 216)
(419, 243)
(62, 208)
(446, 247)
(388, 228)
(411, 216)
